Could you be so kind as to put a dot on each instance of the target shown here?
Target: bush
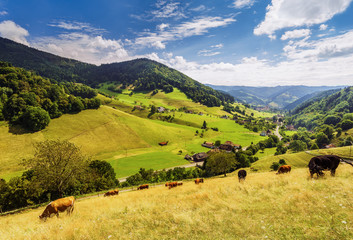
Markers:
(35, 118)
(275, 166)
(346, 124)
(282, 162)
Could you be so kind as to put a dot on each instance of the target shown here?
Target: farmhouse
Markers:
(263, 134)
(160, 109)
(208, 144)
(198, 157)
(188, 157)
(163, 143)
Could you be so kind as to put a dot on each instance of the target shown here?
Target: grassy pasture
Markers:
(265, 206)
(127, 166)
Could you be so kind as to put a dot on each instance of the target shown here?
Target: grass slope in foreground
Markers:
(267, 205)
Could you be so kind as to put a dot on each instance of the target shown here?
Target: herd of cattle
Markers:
(316, 165)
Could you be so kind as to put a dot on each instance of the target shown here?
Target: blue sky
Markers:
(230, 42)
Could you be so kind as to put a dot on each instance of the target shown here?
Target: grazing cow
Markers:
(111, 193)
(284, 169)
(325, 162)
(173, 184)
(143, 186)
(198, 180)
(59, 205)
(180, 183)
(241, 175)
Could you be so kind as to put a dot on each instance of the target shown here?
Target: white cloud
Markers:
(3, 13)
(323, 27)
(84, 47)
(10, 30)
(296, 34)
(323, 49)
(162, 26)
(243, 3)
(294, 13)
(168, 10)
(67, 25)
(199, 8)
(198, 26)
(320, 62)
(210, 52)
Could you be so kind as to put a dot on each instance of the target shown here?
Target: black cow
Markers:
(325, 162)
(241, 175)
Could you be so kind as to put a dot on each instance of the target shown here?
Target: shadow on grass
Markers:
(18, 130)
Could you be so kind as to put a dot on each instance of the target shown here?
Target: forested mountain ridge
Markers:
(327, 108)
(139, 74)
(31, 101)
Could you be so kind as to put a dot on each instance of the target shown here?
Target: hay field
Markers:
(265, 206)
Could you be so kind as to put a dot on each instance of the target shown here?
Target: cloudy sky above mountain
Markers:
(229, 42)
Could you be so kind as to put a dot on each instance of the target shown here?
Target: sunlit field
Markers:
(265, 206)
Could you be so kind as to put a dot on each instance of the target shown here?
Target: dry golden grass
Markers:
(266, 205)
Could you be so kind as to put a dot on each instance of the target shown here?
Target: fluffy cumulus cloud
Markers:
(84, 47)
(10, 30)
(294, 13)
(296, 34)
(195, 27)
(327, 61)
(319, 50)
(243, 3)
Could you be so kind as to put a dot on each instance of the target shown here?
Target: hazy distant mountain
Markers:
(277, 97)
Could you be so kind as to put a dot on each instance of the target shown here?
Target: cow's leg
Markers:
(333, 171)
(311, 174)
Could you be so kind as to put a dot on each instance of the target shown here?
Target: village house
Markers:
(208, 144)
(263, 134)
(198, 157)
(160, 109)
(290, 127)
(138, 107)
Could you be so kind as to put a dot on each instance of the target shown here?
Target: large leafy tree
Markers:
(57, 165)
(220, 163)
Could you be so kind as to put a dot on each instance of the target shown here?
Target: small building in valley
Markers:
(198, 157)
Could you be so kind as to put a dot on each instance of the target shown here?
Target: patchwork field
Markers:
(125, 140)
(265, 206)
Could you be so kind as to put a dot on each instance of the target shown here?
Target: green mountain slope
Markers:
(329, 107)
(139, 74)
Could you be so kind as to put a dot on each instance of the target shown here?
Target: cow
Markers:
(241, 175)
(180, 183)
(59, 205)
(111, 193)
(143, 186)
(173, 184)
(325, 162)
(198, 180)
(163, 143)
(284, 169)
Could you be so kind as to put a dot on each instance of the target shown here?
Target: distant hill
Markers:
(310, 97)
(139, 74)
(277, 97)
(329, 107)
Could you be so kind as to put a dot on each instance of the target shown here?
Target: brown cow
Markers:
(173, 184)
(180, 183)
(198, 180)
(143, 186)
(59, 205)
(284, 169)
(111, 193)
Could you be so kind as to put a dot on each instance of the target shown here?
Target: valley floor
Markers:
(265, 206)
